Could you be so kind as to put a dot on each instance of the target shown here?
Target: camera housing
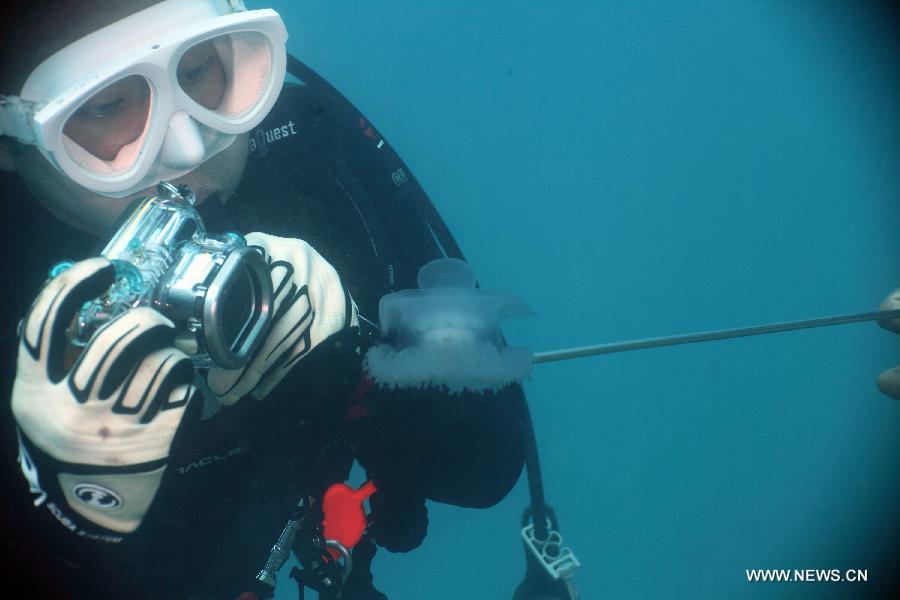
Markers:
(215, 289)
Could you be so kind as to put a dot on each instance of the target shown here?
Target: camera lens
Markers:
(237, 308)
(237, 304)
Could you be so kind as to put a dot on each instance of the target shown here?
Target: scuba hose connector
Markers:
(322, 569)
(281, 551)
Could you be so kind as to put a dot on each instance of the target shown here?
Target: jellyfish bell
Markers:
(447, 308)
(447, 333)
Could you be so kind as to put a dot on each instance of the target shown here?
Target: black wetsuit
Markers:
(317, 171)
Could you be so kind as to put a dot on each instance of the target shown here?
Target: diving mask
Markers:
(152, 96)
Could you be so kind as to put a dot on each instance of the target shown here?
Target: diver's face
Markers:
(114, 118)
(97, 214)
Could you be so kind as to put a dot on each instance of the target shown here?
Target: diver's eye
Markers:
(111, 118)
(195, 74)
(202, 76)
(101, 111)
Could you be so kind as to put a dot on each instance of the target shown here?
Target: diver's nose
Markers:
(184, 145)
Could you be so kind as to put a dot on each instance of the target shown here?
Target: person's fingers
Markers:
(232, 385)
(137, 423)
(892, 302)
(229, 386)
(889, 382)
(309, 304)
(153, 384)
(116, 349)
(44, 335)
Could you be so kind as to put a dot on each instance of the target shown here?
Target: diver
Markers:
(139, 475)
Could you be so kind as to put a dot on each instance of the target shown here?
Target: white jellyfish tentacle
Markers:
(447, 334)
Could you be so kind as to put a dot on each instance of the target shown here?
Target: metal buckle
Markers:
(557, 559)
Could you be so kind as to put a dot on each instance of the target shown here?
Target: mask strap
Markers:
(15, 119)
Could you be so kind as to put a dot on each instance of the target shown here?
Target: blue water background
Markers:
(637, 169)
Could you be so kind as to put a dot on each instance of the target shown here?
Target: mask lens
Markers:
(104, 134)
(227, 74)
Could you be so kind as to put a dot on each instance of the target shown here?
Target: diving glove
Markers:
(96, 427)
(310, 304)
(889, 381)
(398, 523)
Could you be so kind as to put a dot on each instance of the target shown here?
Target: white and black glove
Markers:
(889, 381)
(310, 305)
(98, 431)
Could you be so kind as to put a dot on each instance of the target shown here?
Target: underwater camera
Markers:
(215, 289)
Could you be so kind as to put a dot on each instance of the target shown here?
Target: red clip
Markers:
(344, 517)
(357, 410)
(367, 129)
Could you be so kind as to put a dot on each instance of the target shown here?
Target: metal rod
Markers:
(709, 336)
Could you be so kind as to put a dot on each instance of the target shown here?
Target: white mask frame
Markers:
(179, 133)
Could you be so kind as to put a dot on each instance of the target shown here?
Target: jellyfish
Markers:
(447, 334)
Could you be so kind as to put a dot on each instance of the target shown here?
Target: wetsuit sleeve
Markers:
(464, 449)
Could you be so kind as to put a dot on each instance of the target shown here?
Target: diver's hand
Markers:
(398, 523)
(889, 381)
(310, 305)
(97, 432)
